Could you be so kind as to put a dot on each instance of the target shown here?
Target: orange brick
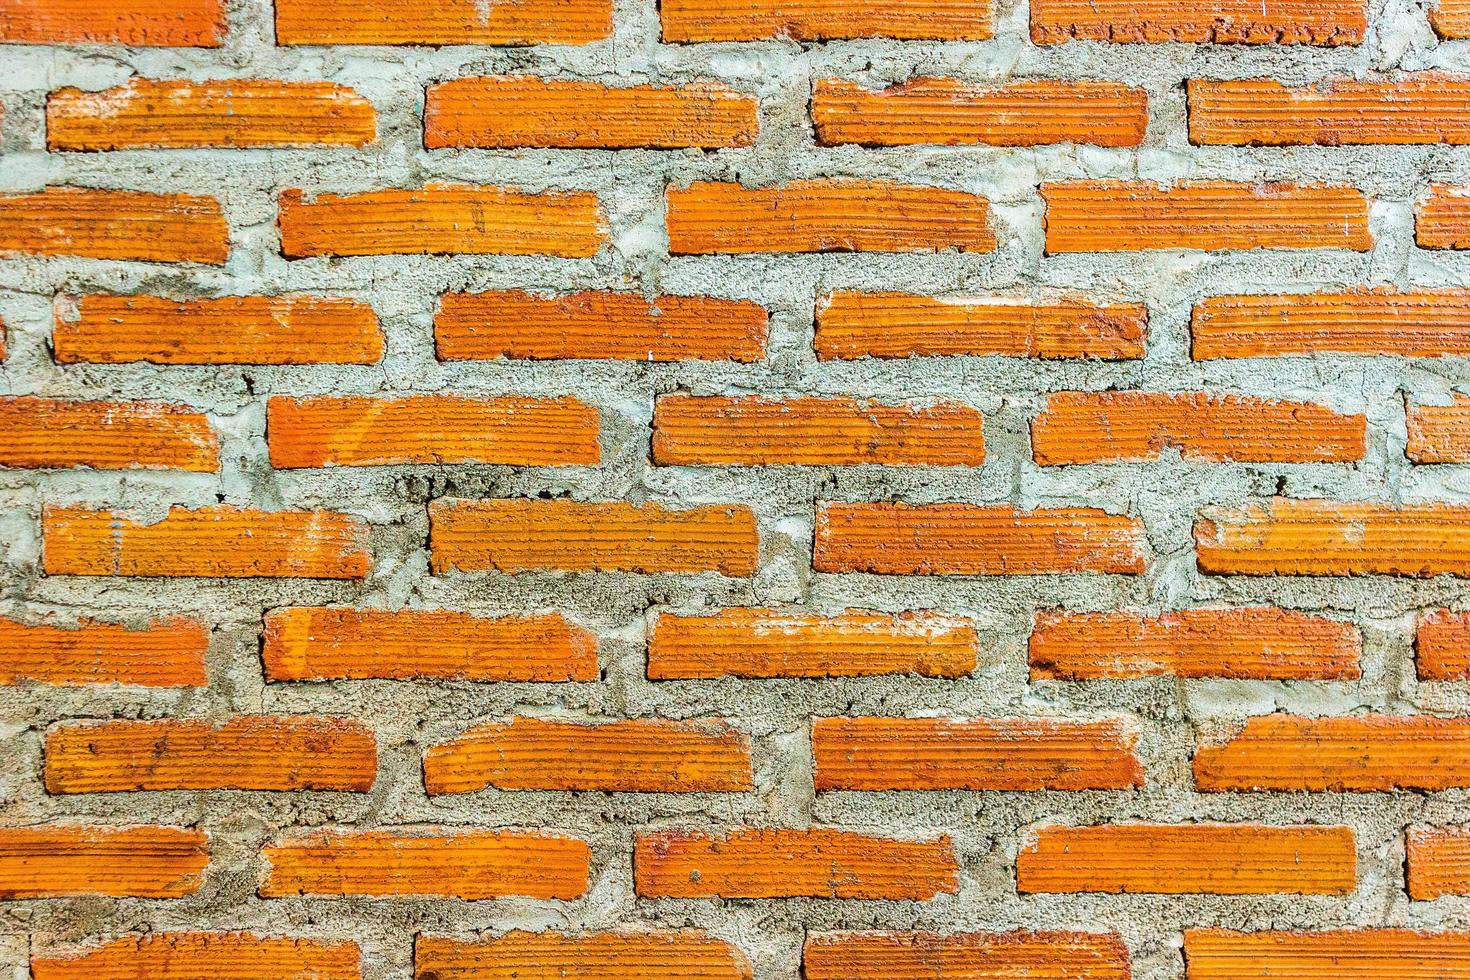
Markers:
(948, 112)
(1013, 955)
(250, 752)
(1451, 18)
(637, 756)
(773, 643)
(664, 954)
(1440, 433)
(1374, 954)
(1130, 216)
(468, 864)
(59, 860)
(48, 433)
(190, 955)
(1315, 22)
(1437, 862)
(136, 23)
(1258, 644)
(228, 542)
(98, 224)
(756, 431)
(1326, 537)
(1362, 753)
(1442, 646)
(442, 219)
(816, 20)
(970, 539)
(1442, 220)
(364, 431)
(325, 643)
(1425, 323)
(1181, 859)
(520, 111)
(615, 326)
(566, 535)
(1427, 107)
(228, 330)
(775, 863)
(1132, 426)
(977, 754)
(853, 325)
(825, 215)
(443, 22)
(165, 653)
(233, 113)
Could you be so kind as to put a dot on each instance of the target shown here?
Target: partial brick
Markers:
(510, 430)
(1451, 19)
(1426, 107)
(60, 860)
(246, 752)
(825, 215)
(949, 112)
(49, 433)
(228, 330)
(327, 643)
(237, 113)
(519, 535)
(525, 111)
(1317, 22)
(1442, 220)
(1442, 646)
(776, 863)
(889, 325)
(136, 23)
(1440, 433)
(1018, 955)
(971, 539)
(1423, 323)
(1437, 861)
(757, 431)
(614, 326)
(1253, 644)
(814, 20)
(230, 542)
(442, 219)
(190, 955)
(99, 224)
(1133, 426)
(468, 864)
(1181, 859)
(775, 643)
(1327, 537)
(164, 653)
(1360, 753)
(1131, 216)
(443, 22)
(664, 954)
(634, 756)
(974, 754)
(1374, 954)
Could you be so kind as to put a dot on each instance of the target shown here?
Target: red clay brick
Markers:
(59, 860)
(1440, 433)
(1428, 107)
(814, 20)
(164, 653)
(1315, 22)
(664, 954)
(99, 224)
(442, 22)
(1423, 323)
(48, 433)
(190, 955)
(1373, 954)
(1437, 861)
(1015, 955)
(136, 23)
(1442, 646)
(1442, 219)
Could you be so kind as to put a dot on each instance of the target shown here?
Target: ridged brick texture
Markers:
(623, 756)
(1221, 954)
(1223, 859)
(1047, 955)
(186, 955)
(247, 752)
(625, 955)
(734, 489)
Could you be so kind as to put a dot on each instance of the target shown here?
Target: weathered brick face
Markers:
(734, 489)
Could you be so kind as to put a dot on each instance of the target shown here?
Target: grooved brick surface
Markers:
(734, 489)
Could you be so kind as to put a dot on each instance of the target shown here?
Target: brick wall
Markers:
(535, 489)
